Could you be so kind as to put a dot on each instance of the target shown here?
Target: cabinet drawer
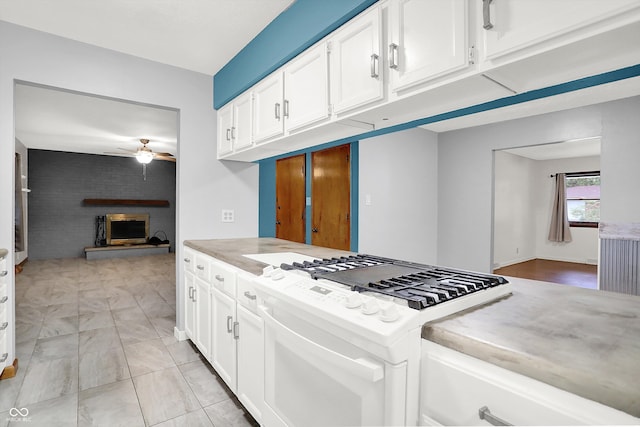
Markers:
(203, 266)
(246, 292)
(189, 259)
(454, 388)
(223, 278)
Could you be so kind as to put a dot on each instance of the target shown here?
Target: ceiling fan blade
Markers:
(166, 158)
(164, 154)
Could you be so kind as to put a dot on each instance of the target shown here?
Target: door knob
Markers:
(277, 222)
(315, 230)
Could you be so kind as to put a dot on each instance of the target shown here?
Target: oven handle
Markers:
(363, 368)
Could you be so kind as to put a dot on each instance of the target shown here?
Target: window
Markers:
(583, 198)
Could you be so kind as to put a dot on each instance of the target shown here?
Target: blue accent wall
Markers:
(297, 28)
(267, 189)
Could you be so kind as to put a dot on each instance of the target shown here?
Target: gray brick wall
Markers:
(61, 226)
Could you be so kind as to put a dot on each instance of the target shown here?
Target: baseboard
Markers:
(511, 262)
(574, 261)
(180, 335)
(10, 371)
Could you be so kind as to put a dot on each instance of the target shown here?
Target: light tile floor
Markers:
(95, 345)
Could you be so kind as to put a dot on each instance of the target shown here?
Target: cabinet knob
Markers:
(374, 66)
(187, 260)
(249, 295)
(393, 56)
(200, 267)
(486, 15)
(314, 229)
(485, 414)
(219, 278)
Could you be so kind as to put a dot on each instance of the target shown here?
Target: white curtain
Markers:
(559, 230)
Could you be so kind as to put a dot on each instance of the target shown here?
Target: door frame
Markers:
(267, 192)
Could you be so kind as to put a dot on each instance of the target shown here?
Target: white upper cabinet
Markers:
(225, 123)
(234, 124)
(306, 88)
(268, 121)
(510, 26)
(427, 39)
(356, 62)
(242, 117)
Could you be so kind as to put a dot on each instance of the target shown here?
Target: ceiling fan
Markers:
(145, 155)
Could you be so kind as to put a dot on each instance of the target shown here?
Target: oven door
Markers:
(313, 378)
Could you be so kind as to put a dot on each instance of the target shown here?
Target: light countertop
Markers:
(583, 341)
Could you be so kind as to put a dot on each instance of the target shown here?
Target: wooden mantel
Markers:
(127, 202)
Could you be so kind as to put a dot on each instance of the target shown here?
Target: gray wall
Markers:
(61, 226)
(465, 172)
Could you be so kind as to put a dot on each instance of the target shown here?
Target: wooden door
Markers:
(331, 194)
(290, 198)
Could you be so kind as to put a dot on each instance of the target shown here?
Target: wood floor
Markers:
(567, 273)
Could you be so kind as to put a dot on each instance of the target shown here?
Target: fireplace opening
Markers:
(127, 229)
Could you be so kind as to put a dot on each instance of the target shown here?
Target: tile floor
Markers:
(95, 345)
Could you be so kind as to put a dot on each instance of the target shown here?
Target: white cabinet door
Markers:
(428, 39)
(268, 121)
(225, 123)
(242, 116)
(523, 23)
(306, 86)
(202, 300)
(189, 305)
(224, 341)
(356, 62)
(250, 361)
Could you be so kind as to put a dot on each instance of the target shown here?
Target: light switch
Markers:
(308, 201)
(227, 215)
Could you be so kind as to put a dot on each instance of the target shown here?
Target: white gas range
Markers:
(342, 336)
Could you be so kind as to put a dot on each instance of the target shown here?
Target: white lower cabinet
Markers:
(225, 327)
(224, 337)
(456, 389)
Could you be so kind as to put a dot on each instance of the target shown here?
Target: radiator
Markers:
(620, 258)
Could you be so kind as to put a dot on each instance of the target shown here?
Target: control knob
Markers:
(353, 300)
(390, 313)
(370, 306)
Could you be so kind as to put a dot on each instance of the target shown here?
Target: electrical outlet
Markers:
(227, 215)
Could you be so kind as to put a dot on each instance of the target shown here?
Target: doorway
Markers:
(522, 205)
(290, 199)
(331, 203)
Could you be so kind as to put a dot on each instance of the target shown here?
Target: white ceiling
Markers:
(584, 147)
(198, 35)
(52, 119)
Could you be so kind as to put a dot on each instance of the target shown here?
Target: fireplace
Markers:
(127, 229)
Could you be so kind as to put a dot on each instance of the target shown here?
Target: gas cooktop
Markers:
(420, 285)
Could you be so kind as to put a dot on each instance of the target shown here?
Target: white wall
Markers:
(583, 247)
(465, 172)
(398, 174)
(514, 234)
(204, 185)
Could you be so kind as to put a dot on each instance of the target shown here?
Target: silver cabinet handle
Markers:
(200, 267)
(236, 330)
(3, 273)
(374, 66)
(229, 327)
(219, 278)
(191, 293)
(228, 131)
(486, 15)
(4, 357)
(286, 108)
(194, 295)
(248, 295)
(187, 260)
(277, 110)
(233, 132)
(485, 414)
(393, 56)
(4, 299)
(4, 326)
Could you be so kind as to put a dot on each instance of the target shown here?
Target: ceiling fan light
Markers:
(144, 157)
